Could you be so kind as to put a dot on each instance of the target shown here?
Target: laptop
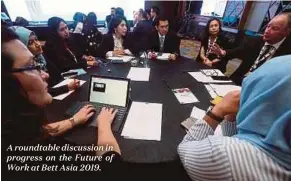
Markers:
(112, 92)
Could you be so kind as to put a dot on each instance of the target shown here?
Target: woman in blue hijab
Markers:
(260, 147)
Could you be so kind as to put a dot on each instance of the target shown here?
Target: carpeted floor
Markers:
(190, 49)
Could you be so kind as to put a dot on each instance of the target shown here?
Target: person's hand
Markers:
(106, 117)
(84, 114)
(172, 57)
(74, 84)
(207, 62)
(118, 52)
(215, 48)
(228, 105)
(92, 63)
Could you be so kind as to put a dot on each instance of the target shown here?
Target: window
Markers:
(42, 10)
(213, 7)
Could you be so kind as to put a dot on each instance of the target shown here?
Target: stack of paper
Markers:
(201, 77)
(65, 82)
(124, 58)
(139, 74)
(185, 96)
(144, 121)
(222, 90)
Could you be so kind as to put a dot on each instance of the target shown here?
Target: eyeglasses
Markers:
(38, 67)
(212, 72)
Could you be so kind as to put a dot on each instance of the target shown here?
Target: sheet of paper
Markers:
(65, 82)
(185, 96)
(144, 121)
(164, 56)
(210, 72)
(139, 74)
(222, 90)
(197, 113)
(210, 91)
(124, 58)
(200, 77)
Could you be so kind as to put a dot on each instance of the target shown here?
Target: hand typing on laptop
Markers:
(83, 115)
(106, 117)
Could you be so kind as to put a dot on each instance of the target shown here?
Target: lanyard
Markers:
(72, 55)
(209, 46)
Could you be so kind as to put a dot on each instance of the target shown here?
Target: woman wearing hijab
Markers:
(66, 51)
(92, 35)
(261, 147)
(116, 42)
(29, 39)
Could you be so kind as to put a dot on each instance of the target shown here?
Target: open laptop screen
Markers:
(109, 91)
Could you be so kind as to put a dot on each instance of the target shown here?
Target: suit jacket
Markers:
(171, 43)
(108, 19)
(248, 53)
(143, 28)
(107, 44)
(154, 21)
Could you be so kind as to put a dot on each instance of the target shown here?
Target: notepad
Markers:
(210, 91)
(139, 74)
(144, 121)
(164, 56)
(65, 82)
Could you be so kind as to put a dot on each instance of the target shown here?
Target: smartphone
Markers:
(220, 78)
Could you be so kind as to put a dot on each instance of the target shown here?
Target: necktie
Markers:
(162, 38)
(266, 52)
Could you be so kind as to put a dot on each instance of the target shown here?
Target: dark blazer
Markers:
(154, 21)
(171, 43)
(223, 42)
(107, 44)
(248, 53)
(55, 50)
(108, 19)
(143, 28)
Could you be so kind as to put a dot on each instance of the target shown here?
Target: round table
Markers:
(164, 76)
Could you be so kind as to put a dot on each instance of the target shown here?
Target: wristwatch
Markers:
(213, 116)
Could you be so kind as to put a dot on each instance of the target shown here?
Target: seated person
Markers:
(29, 39)
(109, 17)
(275, 42)
(163, 40)
(261, 149)
(24, 94)
(116, 42)
(143, 27)
(212, 34)
(154, 15)
(77, 25)
(64, 49)
(91, 34)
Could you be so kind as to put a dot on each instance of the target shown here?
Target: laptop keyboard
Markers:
(117, 122)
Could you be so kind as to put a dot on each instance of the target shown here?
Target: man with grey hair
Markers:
(276, 41)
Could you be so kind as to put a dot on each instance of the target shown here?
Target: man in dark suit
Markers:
(143, 27)
(155, 12)
(109, 17)
(163, 40)
(275, 42)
